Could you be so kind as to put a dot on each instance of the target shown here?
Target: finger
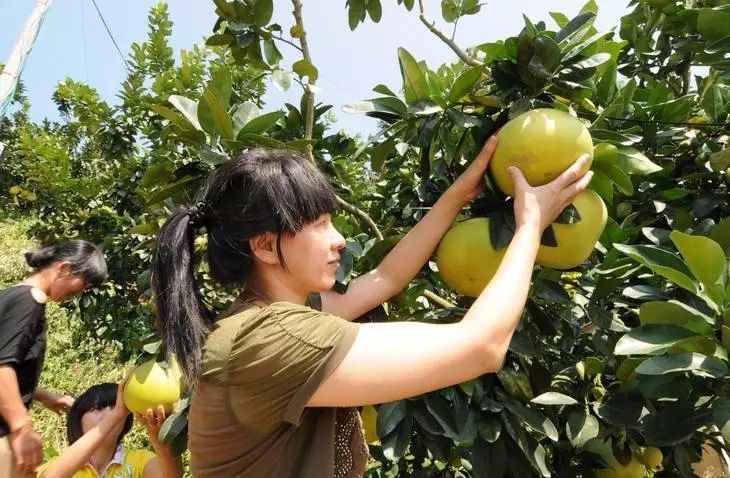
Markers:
(139, 418)
(571, 174)
(518, 179)
(160, 413)
(569, 193)
(487, 150)
(37, 458)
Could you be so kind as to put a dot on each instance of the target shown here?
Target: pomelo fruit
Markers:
(369, 418)
(466, 258)
(152, 384)
(542, 143)
(576, 241)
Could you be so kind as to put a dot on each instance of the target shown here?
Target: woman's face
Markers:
(65, 284)
(93, 417)
(312, 255)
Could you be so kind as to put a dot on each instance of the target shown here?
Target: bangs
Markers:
(308, 196)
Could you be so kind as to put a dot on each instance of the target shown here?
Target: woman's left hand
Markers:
(57, 403)
(470, 184)
(152, 421)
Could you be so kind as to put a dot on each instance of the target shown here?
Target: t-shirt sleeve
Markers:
(138, 459)
(274, 370)
(17, 312)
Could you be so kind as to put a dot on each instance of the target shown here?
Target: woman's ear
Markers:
(263, 248)
(63, 268)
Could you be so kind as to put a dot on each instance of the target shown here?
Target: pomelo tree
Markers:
(610, 352)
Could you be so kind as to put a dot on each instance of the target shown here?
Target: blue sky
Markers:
(73, 43)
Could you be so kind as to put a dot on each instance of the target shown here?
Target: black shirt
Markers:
(22, 340)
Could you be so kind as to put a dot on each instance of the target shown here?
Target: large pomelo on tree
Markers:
(152, 384)
(576, 240)
(466, 258)
(542, 143)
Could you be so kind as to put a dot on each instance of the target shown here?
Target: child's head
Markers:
(72, 266)
(267, 216)
(91, 408)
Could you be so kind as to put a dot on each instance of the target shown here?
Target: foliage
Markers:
(608, 354)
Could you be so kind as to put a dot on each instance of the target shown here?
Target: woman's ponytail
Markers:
(183, 318)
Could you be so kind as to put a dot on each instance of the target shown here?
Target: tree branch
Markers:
(362, 215)
(438, 299)
(308, 91)
(288, 42)
(464, 56)
(309, 121)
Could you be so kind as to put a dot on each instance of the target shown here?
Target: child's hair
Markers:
(95, 398)
(86, 259)
(260, 191)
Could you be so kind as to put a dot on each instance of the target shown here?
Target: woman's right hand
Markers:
(539, 206)
(120, 409)
(27, 448)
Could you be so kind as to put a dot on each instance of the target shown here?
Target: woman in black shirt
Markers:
(60, 272)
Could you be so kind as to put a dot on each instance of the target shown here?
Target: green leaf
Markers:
(213, 116)
(221, 86)
(534, 419)
(545, 59)
(449, 10)
(581, 47)
(577, 24)
(463, 120)
(581, 427)
(561, 20)
(262, 123)
(389, 416)
(244, 113)
(620, 410)
(271, 52)
(722, 45)
(720, 161)
(188, 108)
(396, 444)
(721, 416)
(375, 10)
(173, 426)
(414, 81)
(220, 40)
(712, 23)
(632, 161)
(262, 11)
(213, 158)
(554, 398)
(488, 459)
(464, 84)
(490, 428)
(282, 80)
(664, 429)
(616, 175)
(651, 339)
(663, 263)
(705, 258)
(304, 68)
(676, 313)
(687, 362)
(591, 62)
(442, 412)
(188, 183)
(355, 12)
(172, 116)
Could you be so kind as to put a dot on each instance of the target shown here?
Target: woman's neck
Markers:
(261, 290)
(103, 455)
(42, 284)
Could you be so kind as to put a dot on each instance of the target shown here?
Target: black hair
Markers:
(260, 191)
(96, 397)
(86, 259)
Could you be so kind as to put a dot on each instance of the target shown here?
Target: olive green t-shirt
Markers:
(248, 414)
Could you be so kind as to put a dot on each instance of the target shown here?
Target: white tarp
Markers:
(23, 45)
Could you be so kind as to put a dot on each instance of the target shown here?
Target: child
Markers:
(275, 381)
(95, 427)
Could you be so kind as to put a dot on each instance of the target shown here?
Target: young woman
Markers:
(275, 381)
(60, 272)
(96, 426)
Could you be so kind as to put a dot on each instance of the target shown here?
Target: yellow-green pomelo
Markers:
(542, 143)
(576, 241)
(152, 384)
(466, 258)
(369, 418)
